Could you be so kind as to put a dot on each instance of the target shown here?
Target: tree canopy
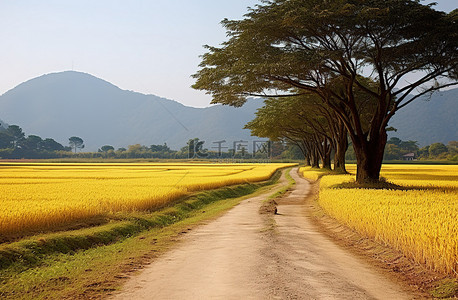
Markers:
(16, 134)
(76, 143)
(106, 148)
(291, 47)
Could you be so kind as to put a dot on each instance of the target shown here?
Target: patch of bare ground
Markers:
(424, 282)
(246, 254)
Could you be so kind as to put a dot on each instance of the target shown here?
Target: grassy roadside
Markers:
(283, 190)
(90, 262)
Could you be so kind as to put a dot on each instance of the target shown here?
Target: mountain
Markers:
(65, 104)
(428, 119)
(61, 105)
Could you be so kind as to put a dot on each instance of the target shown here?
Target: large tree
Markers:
(270, 122)
(76, 143)
(309, 124)
(285, 46)
(16, 133)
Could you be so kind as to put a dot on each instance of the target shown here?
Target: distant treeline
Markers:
(15, 145)
(397, 149)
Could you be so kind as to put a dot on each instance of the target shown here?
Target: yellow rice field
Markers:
(47, 195)
(421, 221)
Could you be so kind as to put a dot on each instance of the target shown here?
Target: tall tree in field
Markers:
(16, 133)
(285, 46)
(76, 143)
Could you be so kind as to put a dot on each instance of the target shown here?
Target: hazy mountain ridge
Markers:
(65, 104)
(429, 119)
(61, 105)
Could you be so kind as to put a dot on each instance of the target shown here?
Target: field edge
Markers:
(418, 278)
(20, 265)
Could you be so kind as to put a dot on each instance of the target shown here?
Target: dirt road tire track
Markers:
(246, 255)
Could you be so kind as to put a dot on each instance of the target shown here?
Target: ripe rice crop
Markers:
(310, 173)
(43, 196)
(421, 220)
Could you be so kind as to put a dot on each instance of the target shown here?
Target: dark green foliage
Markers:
(436, 149)
(160, 148)
(14, 144)
(396, 148)
(6, 140)
(107, 148)
(16, 134)
(76, 143)
(51, 145)
(298, 46)
(292, 152)
(32, 142)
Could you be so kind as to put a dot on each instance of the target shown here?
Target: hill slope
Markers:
(429, 120)
(61, 105)
(70, 103)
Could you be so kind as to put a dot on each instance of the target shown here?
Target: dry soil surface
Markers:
(248, 255)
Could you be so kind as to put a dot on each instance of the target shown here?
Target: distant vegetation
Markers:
(397, 149)
(15, 145)
(47, 106)
(334, 69)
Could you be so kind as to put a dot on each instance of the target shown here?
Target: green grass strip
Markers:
(33, 251)
(284, 189)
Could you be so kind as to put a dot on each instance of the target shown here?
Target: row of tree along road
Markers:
(333, 71)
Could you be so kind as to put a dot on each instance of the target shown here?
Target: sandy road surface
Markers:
(240, 256)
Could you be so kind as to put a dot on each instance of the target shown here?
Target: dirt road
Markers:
(246, 255)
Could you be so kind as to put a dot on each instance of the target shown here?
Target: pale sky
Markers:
(151, 47)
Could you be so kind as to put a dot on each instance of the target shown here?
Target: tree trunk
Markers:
(326, 155)
(369, 157)
(314, 157)
(326, 160)
(308, 160)
(339, 156)
(323, 150)
(339, 160)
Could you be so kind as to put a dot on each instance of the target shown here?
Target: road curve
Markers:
(246, 255)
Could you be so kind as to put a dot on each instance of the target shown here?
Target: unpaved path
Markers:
(243, 255)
